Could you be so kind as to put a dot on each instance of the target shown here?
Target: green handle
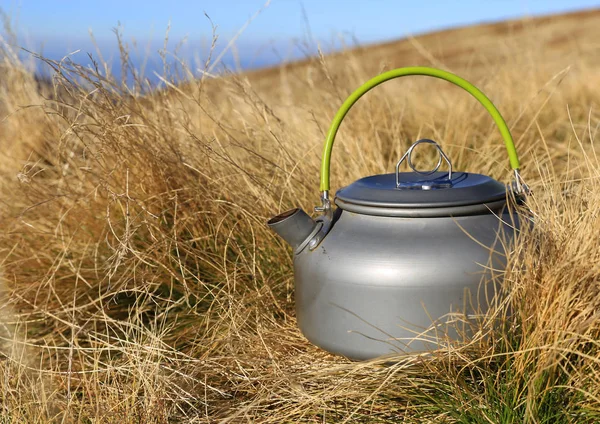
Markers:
(400, 72)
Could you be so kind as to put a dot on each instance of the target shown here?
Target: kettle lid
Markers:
(433, 195)
(423, 193)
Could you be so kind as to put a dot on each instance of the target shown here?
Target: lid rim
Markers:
(385, 205)
(404, 212)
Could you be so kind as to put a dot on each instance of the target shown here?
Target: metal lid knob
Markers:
(427, 184)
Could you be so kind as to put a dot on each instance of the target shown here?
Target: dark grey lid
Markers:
(379, 191)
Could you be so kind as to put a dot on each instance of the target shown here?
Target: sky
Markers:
(283, 30)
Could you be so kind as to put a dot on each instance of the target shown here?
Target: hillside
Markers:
(555, 40)
(141, 284)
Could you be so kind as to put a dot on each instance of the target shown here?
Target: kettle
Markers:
(403, 253)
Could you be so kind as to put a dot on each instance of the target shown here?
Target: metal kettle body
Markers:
(378, 285)
(400, 266)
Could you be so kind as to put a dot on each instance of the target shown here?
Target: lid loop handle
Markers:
(400, 72)
(424, 185)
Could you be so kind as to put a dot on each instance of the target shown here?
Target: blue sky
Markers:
(58, 27)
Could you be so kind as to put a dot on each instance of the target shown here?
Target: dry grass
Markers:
(140, 283)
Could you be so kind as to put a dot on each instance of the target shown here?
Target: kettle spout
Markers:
(294, 226)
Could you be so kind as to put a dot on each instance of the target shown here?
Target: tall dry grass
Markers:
(140, 283)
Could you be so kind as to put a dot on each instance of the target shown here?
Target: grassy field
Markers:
(141, 284)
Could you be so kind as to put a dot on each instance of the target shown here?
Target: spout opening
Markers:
(282, 216)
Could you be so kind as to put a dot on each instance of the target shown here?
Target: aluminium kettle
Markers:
(403, 254)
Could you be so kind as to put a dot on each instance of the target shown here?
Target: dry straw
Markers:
(141, 284)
